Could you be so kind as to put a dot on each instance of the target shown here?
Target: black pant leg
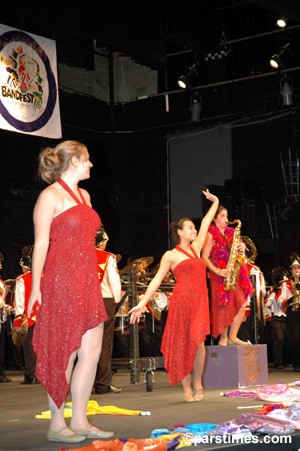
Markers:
(103, 374)
(2, 348)
(293, 331)
(278, 325)
(29, 354)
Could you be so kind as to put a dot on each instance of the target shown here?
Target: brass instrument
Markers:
(296, 294)
(2, 314)
(19, 338)
(236, 258)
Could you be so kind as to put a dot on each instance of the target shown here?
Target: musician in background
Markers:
(111, 291)
(289, 299)
(280, 277)
(152, 330)
(256, 303)
(22, 295)
(227, 307)
(3, 324)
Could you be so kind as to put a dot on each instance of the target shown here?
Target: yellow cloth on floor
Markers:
(179, 435)
(93, 408)
(183, 443)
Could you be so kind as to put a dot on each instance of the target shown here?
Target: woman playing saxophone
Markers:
(228, 302)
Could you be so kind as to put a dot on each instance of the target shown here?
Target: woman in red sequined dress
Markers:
(188, 318)
(227, 307)
(71, 310)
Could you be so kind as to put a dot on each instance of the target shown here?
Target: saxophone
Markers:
(296, 294)
(236, 258)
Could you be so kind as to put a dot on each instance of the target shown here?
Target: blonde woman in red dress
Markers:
(188, 317)
(68, 333)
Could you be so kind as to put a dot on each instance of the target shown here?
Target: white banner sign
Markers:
(28, 84)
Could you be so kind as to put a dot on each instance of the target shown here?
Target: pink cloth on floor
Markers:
(272, 393)
(278, 393)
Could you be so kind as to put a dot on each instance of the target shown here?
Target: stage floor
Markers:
(20, 430)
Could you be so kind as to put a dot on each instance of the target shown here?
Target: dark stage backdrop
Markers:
(197, 160)
(141, 221)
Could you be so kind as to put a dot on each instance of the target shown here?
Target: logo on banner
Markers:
(28, 88)
(24, 82)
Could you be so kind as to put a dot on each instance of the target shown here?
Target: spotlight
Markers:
(196, 107)
(286, 91)
(281, 21)
(279, 60)
(187, 81)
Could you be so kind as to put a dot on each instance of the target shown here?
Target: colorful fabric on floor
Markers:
(180, 430)
(278, 393)
(93, 408)
(255, 423)
(267, 408)
(160, 440)
(193, 431)
(288, 415)
(273, 393)
(241, 394)
(130, 445)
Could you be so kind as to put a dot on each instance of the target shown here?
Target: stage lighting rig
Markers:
(280, 59)
(281, 21)
(187, 81)
(196, 107)
(286, 91)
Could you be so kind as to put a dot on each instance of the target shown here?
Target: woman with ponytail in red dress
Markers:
(188, 318)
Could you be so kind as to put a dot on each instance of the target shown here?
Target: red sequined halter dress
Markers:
(71, 294)
(188, 317)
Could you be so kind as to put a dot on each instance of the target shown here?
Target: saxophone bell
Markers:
(236, 258)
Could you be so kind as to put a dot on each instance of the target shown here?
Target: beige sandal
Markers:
(223, 342)
(188, 397)
(200, 396)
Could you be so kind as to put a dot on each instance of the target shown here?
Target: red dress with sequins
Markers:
(188, 318)
(71, 295)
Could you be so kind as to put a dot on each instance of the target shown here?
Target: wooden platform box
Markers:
(235, 366)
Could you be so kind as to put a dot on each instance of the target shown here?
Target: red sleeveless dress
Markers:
(188, 318)
(225, 304)
(71, 294)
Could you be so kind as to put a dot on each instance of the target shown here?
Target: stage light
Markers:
(286, 91)
(279, 60)
(281, 21)
(196, 108)
(188, 80)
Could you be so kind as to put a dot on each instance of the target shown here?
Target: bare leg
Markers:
(186, 382)
(197, 375)
(198, 367)
(224, 334)
(236, 323)
(57, 421)
(84, 375)
(187, 390)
